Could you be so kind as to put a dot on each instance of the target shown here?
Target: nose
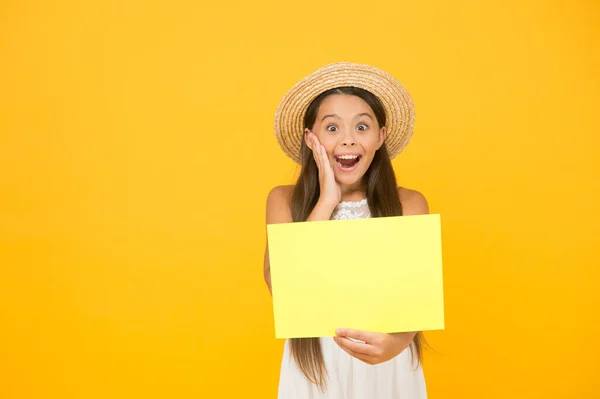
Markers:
(348, 140)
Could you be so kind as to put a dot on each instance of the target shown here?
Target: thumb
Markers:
(326, 162)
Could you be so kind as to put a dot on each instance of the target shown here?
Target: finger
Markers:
(326, 162)
(357, 347)
(308, 141)
(317, 152)
(323, 156)
(360, 356)
(357, 334)
(316, 140)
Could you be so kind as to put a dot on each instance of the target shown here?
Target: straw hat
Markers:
(399, 107)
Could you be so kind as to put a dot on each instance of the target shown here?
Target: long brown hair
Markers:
(382, 198)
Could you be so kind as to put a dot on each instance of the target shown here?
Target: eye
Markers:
(332, 128)
(362, 127)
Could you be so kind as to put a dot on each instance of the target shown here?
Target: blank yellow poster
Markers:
(379, 274)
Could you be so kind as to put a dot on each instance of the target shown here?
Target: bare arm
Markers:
(279, 211)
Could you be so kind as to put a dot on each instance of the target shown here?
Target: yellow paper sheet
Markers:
(378, 274)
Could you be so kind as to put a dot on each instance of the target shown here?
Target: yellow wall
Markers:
(136, 152)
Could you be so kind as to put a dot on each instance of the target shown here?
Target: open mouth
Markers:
(347, 162)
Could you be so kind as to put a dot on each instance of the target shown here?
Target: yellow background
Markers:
(136, 152)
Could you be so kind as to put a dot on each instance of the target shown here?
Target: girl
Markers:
(343, 124)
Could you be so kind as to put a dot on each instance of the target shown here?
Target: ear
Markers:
(382, 136)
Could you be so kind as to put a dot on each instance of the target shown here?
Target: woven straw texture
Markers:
(398, 104)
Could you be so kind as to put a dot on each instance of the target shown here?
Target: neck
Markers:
(353, 192)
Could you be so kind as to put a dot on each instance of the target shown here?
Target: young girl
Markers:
(343, 124)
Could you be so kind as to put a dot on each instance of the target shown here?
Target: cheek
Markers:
(370, 143)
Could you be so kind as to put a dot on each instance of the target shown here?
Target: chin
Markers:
(350, 180)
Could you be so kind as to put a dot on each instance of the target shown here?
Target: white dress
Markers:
(348, 377)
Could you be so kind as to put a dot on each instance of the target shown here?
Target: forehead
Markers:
(344, 105)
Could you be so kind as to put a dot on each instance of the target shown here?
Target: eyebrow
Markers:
(365, 114)
(335, 116)
(329, 116)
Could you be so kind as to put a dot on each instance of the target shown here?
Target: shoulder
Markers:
(280, 194)
(413, 202)
(279, 202)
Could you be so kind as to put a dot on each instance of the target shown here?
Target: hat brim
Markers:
(398, 104)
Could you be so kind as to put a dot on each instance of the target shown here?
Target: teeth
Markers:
(348, 156)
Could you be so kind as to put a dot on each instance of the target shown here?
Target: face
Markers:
(348, 129)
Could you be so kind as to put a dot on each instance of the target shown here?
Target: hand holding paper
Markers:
(374, 348)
